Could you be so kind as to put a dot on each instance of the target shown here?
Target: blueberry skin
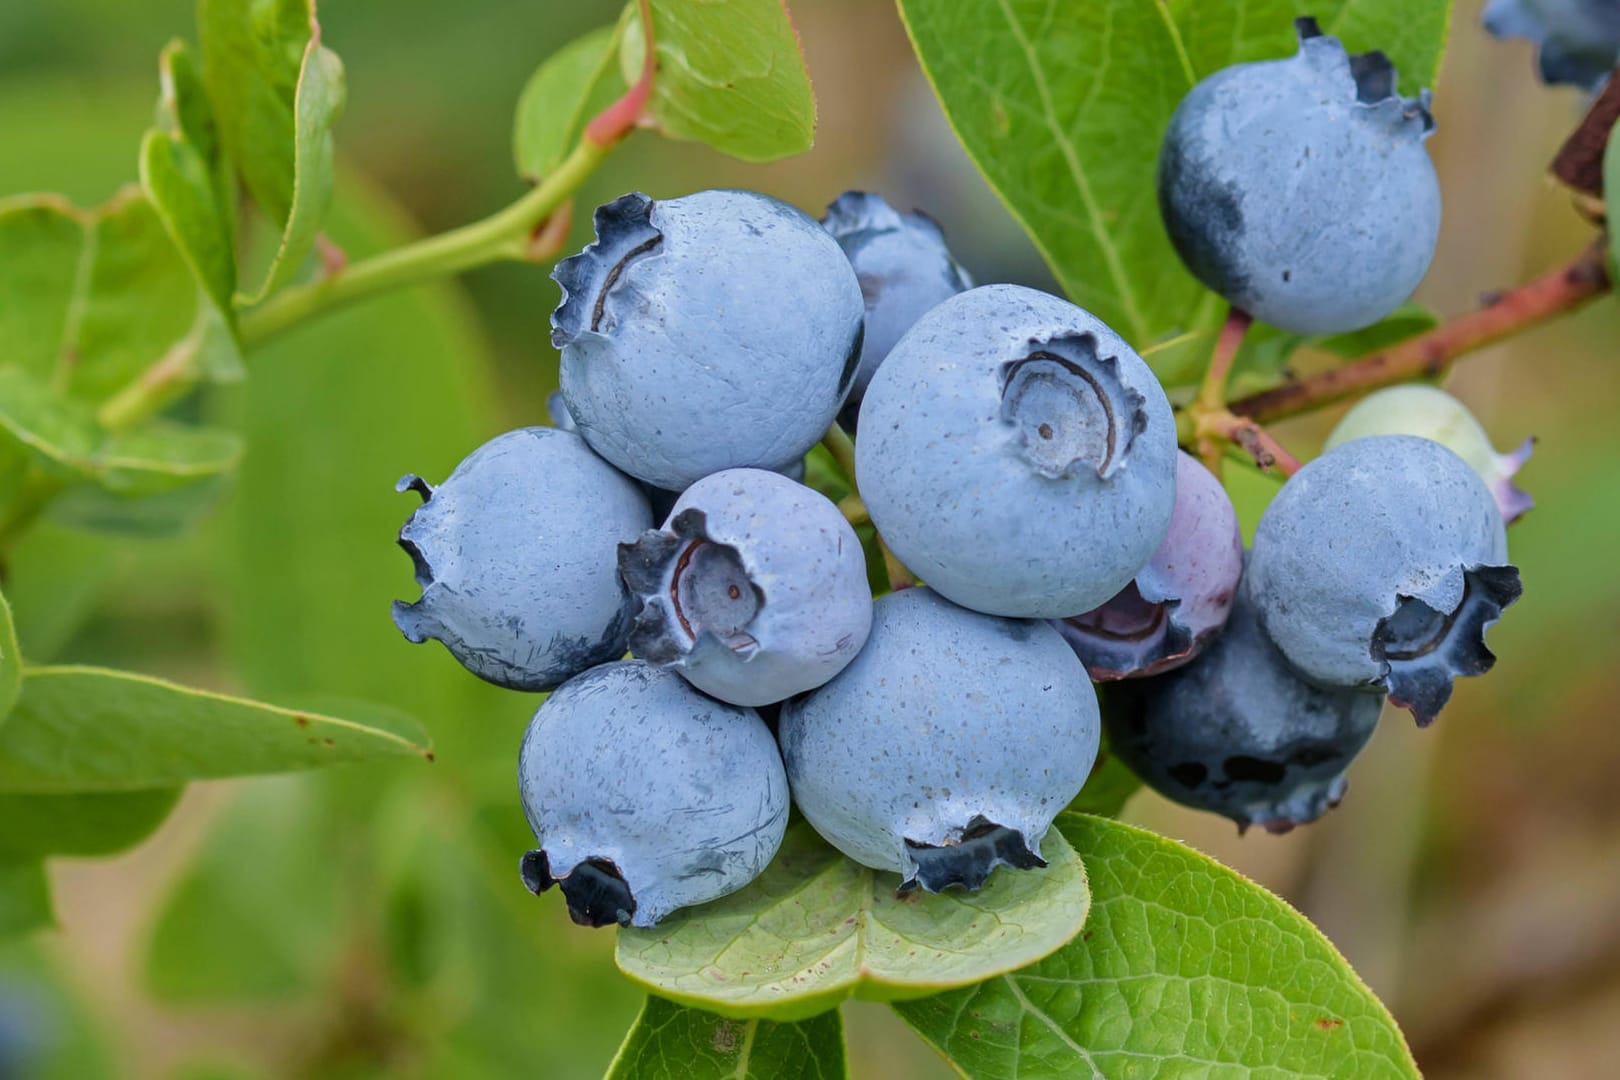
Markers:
(903, 266)
(1577, 41)
(1179, 601)
(1300, 190)
(646, 796)
(755, 589)
(1238, 732)
(1017, 455)
(517, 556)
(715, 331)
(1379, 566)
(947, 747)
(1428, 411)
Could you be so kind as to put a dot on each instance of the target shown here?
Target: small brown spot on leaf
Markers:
(328, 742)
(725, 1036)
(301, 720)
(1328, 1023)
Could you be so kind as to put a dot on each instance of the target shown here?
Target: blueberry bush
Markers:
(921, 580)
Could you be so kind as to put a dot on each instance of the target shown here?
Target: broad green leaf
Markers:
(63, 435)
(10, 663)
(1611, 190)
(276, 93)
(25, 898)
(90, 299)
(80, 729)
(97, 823)
(1063, 106)
(673, 1042)
(1111, 783)
(182, 173)
(163, 513)
(57, 576)
(817, 928)
(730, 74)
(1185, 969)
(575, 83)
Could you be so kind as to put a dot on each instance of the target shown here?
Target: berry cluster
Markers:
(1015, 454)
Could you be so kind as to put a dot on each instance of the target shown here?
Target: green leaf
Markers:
(575, 83)
(276, 94)
(25, 898)
(182, 173)
(90, 299)
(1185, 969)
(817, 928)
(163, 513)
(10, 663)
(62, 434)
(1062, 106)
(1611, 190)
(81, 729)
(1111, 783)
(670, 1041)
(1263, 360)
(730, 74)
(95, 823)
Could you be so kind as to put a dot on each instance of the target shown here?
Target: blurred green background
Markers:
(370, 922)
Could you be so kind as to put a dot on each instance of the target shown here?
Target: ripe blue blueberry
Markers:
(754, 590)
(709, 332)
(1017, 455)
(1300, 190)
(1577, 41)
(1239, 733)
(647, 796)
(947, 747)
(903, 266)
(1379, 566)
(1434, 414)
(1178, 602)
(517, 556)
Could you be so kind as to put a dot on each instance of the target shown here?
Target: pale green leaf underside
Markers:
(572, 85)
(673, 1042)
(817, 928)
(89, 299)
(730, 74)
(25, 898)
(1063, 106)
(10, 662)
(81, 729)
(1184, 969)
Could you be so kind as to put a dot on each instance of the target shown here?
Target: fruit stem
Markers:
(1557, 292)
(620, 118)
(842, 449)
(854, 510)
(1221, 426)
(899, 576)
(1211, 400)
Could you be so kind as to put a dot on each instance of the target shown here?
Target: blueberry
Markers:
(903, 266)
(1577, 41)
(1434, 414)
(1379, 566)
(516, 554)
(1300, 190)
(557, 408)
(754, 590)
(647, 796)
(1017, 455)
(947, 747)
(1178, 602)
(709, 332)
(1239, 733)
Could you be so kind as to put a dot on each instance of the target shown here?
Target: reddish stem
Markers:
(1427, 355)
(620, 118)
(1212, 394)
(1247, 435)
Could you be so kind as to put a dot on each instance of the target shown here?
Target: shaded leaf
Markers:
(182, 173)
(78, 729)
(817, 928)
(276, 93)
(730, 74)
(574, 83)
(90, 299)
(1611, 186)
(1185, 968)
(10, 663)
(96, 823)
(672, 1041)
(25, 898)
(57, 576)
(1263, 360)
(1063, 106)
(63, 435)
(1111, 783)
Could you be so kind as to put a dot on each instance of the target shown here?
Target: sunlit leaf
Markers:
(575, 83)
(670, 1040)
